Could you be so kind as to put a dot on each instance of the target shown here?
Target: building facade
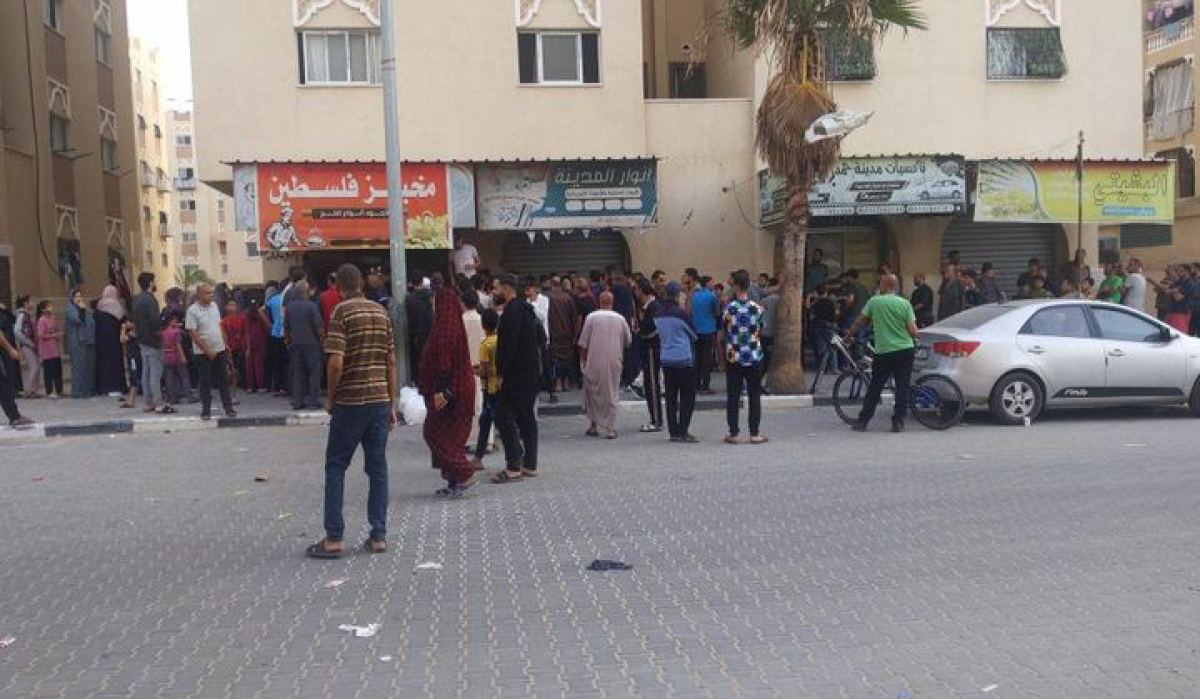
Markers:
(1171, 45)
(155, 188)
(206, 240)
(553, 107)
(68, 179)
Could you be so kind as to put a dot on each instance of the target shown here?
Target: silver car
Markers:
(1021, 357)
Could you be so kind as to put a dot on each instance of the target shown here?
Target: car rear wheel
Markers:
(1016, 396)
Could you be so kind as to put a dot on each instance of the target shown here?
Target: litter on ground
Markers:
(335, 583)
(361, 630)
(429, 566)
(608, 565)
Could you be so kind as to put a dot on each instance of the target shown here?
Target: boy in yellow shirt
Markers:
(486, 370)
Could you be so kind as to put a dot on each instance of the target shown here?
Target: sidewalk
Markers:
(103, 415)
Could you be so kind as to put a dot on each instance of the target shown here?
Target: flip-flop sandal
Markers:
(731, 440)
(758, 440)
(167, 410)
(505, 478)
(375, 546)
(592, 432)
(611, 436)
(318, 551)
(650, 428)
(526, 473)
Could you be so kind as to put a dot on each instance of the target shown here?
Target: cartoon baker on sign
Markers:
(280, 234)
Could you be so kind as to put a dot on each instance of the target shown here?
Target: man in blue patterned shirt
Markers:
(742, 325)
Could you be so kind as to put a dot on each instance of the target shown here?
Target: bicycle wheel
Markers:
(848, 393)
(937, 402)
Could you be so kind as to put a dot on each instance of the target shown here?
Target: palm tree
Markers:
(792, 34)
(189, 276)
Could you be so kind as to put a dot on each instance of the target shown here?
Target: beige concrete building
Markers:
(68, 177)
(203, 228)
(580, 91)
(1171, 46)
(155, 195)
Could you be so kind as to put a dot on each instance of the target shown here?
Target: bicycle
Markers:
(934, 400)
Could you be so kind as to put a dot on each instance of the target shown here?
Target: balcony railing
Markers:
(185, 183)
(1171, 34)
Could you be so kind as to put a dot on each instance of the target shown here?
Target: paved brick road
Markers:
(1056, 560)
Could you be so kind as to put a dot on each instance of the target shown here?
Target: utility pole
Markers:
(391, 127)
(1079, 194)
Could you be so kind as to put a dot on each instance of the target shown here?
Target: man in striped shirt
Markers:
(361, 400)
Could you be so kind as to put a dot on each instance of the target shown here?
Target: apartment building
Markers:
(68, 178)
(567, 134)
(1171, 46)
(204, 233)
(155, 188)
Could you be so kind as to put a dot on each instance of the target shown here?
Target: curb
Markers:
(173, 424)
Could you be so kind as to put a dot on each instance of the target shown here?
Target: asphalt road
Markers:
(985, 561)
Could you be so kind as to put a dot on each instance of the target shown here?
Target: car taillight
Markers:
(955, 348)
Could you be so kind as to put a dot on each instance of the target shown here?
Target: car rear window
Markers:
(973, 318)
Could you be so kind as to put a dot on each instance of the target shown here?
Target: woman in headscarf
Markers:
(110, 360)
(81, 346)
(447, 381)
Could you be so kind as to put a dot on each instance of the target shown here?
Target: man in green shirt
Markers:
(1114, 282)
(895, 330)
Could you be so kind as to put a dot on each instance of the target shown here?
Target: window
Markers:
(688, 81)
(183, 139)
(1120, 325)
(103, 40)
(559, 58)
(222, 248)
(162, 218)
(1025, 54)
(53, 14)
(1171, 101)
(165, 261)
(849, 59)
(189, 236)
(224, 269)
(108, 155)
(58, 133)
(220, 211)
(251, 249)
(186, 173)
(1185, 171)
(339, 57)
(1059, 322)
(187, 205)
(146, 215)
(149, 258)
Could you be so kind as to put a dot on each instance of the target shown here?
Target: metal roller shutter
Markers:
(1007, 246)
(563, 253)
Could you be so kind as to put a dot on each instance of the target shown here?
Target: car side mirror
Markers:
(1167, 335)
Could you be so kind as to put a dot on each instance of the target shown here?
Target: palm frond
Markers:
(788, 108)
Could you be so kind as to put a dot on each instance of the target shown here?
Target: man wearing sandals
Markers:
(743, 323)
(519, 366)
(602, 344)
(360, 399)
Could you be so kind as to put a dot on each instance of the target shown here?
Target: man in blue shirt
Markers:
(706, 310)
(277, 354)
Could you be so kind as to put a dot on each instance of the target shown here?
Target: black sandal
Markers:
(319, 551)
(505, 478)
(375, 546)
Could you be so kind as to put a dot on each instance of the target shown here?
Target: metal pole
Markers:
(1079, 195)
(391, 126)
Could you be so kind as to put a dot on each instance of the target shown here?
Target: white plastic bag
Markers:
(835, 124)
(412, 406)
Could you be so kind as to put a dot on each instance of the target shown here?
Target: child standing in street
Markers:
(175, 372)
(48, 350)
(133, 362)
(490, 378)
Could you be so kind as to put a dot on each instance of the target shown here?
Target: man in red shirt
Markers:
(330, 298)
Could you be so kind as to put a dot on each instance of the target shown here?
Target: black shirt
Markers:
(824, 310)
(518, 350)
(922, 301)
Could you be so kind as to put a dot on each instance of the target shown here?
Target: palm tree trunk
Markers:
(787, 362)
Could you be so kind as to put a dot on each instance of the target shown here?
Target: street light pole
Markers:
(395, 189)
(1079, 195)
